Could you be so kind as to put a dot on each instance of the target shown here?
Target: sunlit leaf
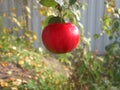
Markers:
(28, 9)
(34, 37)
(119, 11)
(43, 63)
(16, 21)
(14, 88)
(112, 4)
(35, 64)
(42, 10)
(9, 72)
(13, 10)
(13, 14)
(1, 46)
(17, 82)
(27, 34)
(14, 48)
(22, 22)
(29, 16)
(4, 14)
(4, 84)
(48, 3)
(109, 10)
(21, 62)
(3, 64)
(57, 81)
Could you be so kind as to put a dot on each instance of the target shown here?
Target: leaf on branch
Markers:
(53, 19)
(96, 36)
(71, 2)
(28, 9)
(48, 3)
(116, 25)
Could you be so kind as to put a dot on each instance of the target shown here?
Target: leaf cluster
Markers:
(62, 11)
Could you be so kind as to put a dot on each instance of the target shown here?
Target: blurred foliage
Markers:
(19, 51)
(87, 70)
(111, 28)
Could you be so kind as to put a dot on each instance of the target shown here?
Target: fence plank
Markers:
(35, 23)
(91, 21)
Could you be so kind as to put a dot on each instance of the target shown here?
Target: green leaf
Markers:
(48, 3)
(53, 19)
(56, 20)
(96, 36)
(116, 25)
(116, 74)
(47, 20)
(82, 69)
(111, 47)
(110, 37)
(71, 2)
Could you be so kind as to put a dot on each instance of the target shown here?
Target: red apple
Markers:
(60, 37)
